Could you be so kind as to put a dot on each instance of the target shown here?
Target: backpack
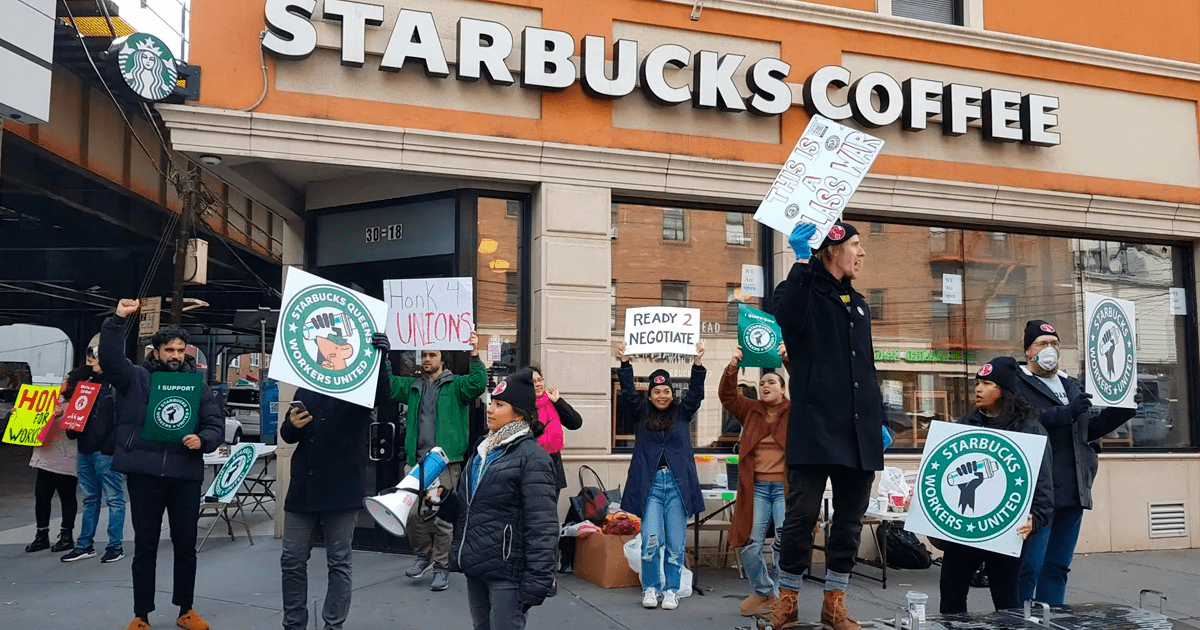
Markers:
(904, 550)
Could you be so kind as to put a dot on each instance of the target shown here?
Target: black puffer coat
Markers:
(507, 529)
(1075, 461)
(837, 410)
(1043, 493)
(330, 461)
(133, 454)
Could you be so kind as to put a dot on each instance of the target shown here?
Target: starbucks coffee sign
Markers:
(975, 486)
(145, 66)
(553, 60)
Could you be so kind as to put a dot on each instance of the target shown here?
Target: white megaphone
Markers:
(391, 508)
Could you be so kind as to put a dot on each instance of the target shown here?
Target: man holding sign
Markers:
(834, 425)
(167, 419)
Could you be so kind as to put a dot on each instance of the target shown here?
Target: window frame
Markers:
(681, 231)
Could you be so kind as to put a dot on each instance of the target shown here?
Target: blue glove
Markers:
(887, 438)
(799, 240)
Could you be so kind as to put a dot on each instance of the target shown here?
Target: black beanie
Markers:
(517, 390)
(839, 233)
(1035, 328)
(1001, 371)
(660, 377)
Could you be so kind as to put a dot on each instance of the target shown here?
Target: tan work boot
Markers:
(781, 613)
(756, 603)
(834, 615)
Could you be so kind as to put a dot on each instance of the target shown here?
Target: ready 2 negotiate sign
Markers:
(873, 100)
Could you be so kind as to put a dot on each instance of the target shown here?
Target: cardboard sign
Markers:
(666, 329)
(817, 179)
(323, 340)
(231, 475)
(759, 336)
(30, 413)
(975, 486)
(1110, 351)
(173, 407)
(752, 281)
(80, 406)
(430, 313)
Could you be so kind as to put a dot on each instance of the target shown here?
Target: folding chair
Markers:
(260, 487)
(221, 510)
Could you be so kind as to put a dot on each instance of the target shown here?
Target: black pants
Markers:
(806, 484)
(43, 493)
(959, 564)
(148, 497)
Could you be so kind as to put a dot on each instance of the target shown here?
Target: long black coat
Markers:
(649, 446)
(99, 435)
(1075, 461)
(331, 455)
(837, 409)
(507, 530)
(1043, 492)
(133, 454)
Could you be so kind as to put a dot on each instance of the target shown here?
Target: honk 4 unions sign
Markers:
(873, 100)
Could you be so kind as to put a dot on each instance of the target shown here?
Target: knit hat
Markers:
(660, 377)
(1035, 328)
(1001, 371)
(839, 233)
(517, 390)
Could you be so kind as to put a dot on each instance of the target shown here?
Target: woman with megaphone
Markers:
(505, 512)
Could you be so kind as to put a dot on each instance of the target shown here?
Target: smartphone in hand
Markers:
(297, 405)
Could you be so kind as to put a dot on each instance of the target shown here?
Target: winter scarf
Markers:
(552, 438)
(491, 447)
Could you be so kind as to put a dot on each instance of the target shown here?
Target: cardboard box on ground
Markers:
(600, 559)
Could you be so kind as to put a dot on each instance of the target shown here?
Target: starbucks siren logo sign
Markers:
(146, 65)
(975, 485)
(233, 472)
(326, 336)
(172, 413)
(1110, 352)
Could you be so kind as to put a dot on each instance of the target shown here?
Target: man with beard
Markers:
(161, 476)
(438, 415)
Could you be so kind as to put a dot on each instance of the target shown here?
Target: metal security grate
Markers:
(940, 11)
(1168, 520)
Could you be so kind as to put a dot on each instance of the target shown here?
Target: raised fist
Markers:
(127, 307)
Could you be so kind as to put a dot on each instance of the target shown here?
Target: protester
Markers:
(835, 424)
(556, 414)
(438, 415)
(55, 464)
(97, 443)
(997, 406)
(761, 478)
(326, 490)
(662, 486)
(160, 475)
(1066, 413)
(506, 512)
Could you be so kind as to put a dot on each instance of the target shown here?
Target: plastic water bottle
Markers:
(916, 605)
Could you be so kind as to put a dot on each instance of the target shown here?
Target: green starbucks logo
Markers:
(761, 338)
(234, 471)
(1110, 352)
(147, 66)
(975, 486)
(326, 339)
(172, 413)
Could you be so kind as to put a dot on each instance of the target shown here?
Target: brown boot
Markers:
(756, 603)
(833, 613)
(782, 612)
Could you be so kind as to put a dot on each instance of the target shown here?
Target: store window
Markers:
(927, 350)
(876, 304)
(700, 269)
(940, 11)
(498, 277)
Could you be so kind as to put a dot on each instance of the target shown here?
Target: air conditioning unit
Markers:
(195, 268)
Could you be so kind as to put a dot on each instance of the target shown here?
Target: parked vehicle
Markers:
(233, 430)
(242, 403)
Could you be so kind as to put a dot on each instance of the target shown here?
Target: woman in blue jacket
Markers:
(662, 487)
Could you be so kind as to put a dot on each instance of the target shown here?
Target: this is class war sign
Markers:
(430, 313)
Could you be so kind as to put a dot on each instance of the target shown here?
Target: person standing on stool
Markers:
(327, 490)
(835, 421)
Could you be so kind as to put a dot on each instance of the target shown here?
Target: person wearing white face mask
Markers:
(1067, 415)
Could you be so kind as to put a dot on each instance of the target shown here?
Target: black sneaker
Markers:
(112, 554)
(79, 554)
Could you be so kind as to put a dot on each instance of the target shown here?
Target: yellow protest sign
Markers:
(29, 415)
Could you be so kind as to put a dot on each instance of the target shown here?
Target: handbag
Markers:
(591, 504)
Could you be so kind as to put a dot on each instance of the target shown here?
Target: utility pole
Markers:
(190, 196)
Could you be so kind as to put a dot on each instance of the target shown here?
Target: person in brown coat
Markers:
(762, 473)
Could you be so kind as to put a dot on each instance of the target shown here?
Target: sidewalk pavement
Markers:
(238, 587)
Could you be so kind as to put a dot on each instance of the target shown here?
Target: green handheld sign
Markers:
(759, 336)
(173, 407)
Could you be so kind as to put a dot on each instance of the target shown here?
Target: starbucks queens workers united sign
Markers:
(975, 486)
(323, 340)
(1111, 356)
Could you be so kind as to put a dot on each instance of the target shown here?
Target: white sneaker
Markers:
(650, 598)
(670, 600)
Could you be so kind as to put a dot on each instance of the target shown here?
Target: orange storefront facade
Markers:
(606, 155)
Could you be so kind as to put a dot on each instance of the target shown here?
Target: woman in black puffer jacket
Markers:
(505, 513)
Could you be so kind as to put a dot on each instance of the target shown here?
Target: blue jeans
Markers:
(97, 480)
(1046, 559)
(663, 521)
(769, 504)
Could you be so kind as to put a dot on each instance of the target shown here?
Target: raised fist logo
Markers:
(1108, 347)
(969, 476)
(330, 330)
